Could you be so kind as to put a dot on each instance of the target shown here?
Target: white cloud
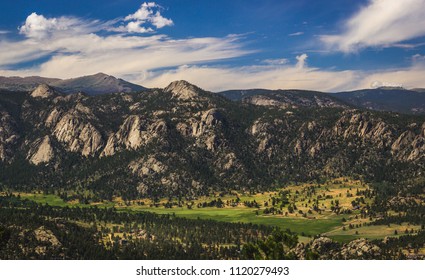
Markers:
(147, 13)
(39, 27)
(381, 23)
(257, 76)
(73, 47)
(136, 27)
(301, 60)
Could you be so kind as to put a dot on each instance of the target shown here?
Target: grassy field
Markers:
(303, 197)
(371, 232)
(245, 215)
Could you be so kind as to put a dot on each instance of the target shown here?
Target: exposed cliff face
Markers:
(361, 125)
(41, 152)
(409, 146)
(134, 133)
(78, 134)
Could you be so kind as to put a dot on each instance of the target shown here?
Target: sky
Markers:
(326, 45)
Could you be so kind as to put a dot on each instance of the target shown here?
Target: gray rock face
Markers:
(44, 91)
(134, 133)
(209, 120)
(42, 151)
(77, 134)
(359, 125)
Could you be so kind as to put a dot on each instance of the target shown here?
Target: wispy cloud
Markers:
(296, 34)
(381, 23)
(278, 61)
(288, 76)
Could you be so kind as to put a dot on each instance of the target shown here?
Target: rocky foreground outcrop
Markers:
(324, 248)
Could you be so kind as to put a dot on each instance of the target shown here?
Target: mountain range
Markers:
(182, 140)
(94, 84)
(393, 99)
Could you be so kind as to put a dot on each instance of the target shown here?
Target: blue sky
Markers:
(327, 45)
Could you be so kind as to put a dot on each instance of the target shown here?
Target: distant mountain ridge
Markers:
(386, 99)
(99, 83)
(391, 99)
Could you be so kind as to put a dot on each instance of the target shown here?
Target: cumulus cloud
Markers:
(301, 60)
(381, 23)
(39, 27)
(148, 13)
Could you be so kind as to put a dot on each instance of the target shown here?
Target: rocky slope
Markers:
(185, 141)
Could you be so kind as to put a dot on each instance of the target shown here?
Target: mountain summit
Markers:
(183, 90)
(99, 83)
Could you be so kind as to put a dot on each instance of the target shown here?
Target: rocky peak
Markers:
(44, 91)
(182, 90)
